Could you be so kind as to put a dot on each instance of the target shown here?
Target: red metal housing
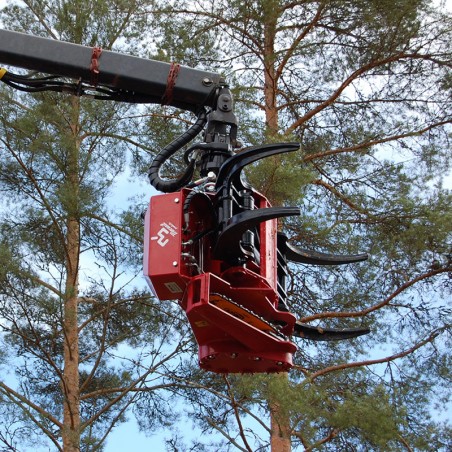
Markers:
(232, 309)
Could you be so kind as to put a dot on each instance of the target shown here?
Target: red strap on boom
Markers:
(94, 67)
(170, 83)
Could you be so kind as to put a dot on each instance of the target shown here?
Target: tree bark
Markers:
(270, 80)
(71, 387)
(71, 421)
(280, 437)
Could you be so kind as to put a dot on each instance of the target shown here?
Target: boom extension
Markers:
(136, 79)
(212, 244)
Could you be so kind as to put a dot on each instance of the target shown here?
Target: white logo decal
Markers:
(161, 238)
(167, 229)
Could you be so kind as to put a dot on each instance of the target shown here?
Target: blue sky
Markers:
(127, 436)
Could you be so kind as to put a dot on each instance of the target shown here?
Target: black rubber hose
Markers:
(187, 204)
(168, 186)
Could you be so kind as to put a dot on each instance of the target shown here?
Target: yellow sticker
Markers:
(3, 71)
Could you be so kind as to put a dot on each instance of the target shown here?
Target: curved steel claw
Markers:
(230, 171)
(317, 333)
(228, 245)
(303, 256)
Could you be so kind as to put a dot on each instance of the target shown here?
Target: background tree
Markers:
(365, 88)
(83, 341)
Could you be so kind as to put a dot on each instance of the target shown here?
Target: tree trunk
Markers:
(270, 83)
(71, 433)
(71, 387)
(280, 436)
(280, 439)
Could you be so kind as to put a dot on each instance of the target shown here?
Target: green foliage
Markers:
(96, 23)
(6, 260)
(282, 178)
(355, 410)
(364, 87)
(372, 414)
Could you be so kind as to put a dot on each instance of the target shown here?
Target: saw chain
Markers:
(246, 315)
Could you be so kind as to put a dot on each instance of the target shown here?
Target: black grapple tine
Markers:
(303, 256)
(228, 242)
(317, 333)
(232, 167)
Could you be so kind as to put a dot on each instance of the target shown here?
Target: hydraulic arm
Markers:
(213, 243)
(114, 75)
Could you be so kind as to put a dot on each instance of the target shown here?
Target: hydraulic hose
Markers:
(168, 186)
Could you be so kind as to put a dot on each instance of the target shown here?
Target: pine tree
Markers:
(82, 340)
(364, 87)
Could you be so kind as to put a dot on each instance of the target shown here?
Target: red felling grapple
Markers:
(232, 309)
(216, 249)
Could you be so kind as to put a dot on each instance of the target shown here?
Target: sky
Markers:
(127, 436)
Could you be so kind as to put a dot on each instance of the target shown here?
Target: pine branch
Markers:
(289, 52)
(29, 174)
(42, 283)
(405, 443)
(184, 383)
(433, 335)
(113, 423)
(364, 146)
(101, 349)
(123, 392)
(40, 18)
(25, 405)
(35, 340)
(113, 225)
(119, 138)
(219, 20)
(333, 433)
(350, 79)
(120, 390)
(339, 195)
(223, 432)
(237, 414)
(383, 303)
(102, 311)
(118, 30)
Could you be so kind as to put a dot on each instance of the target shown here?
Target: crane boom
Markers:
(192, 87)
